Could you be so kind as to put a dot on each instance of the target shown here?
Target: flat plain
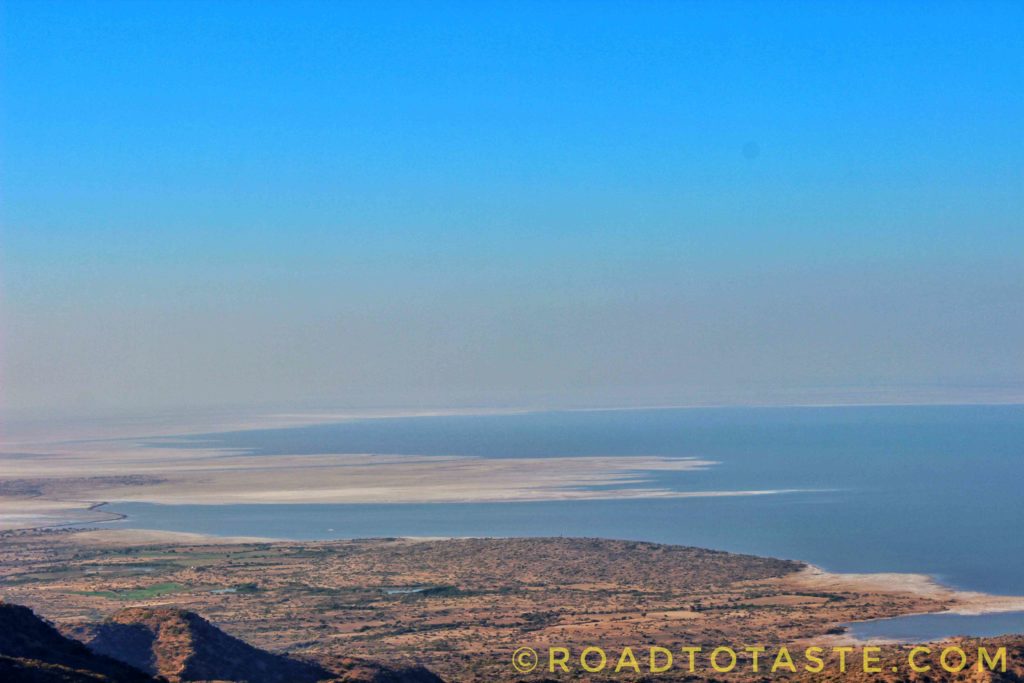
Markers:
(458, 606)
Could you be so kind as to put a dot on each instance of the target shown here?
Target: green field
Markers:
(153, 591)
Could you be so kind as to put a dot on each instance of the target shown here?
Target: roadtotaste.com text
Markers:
(756, 659)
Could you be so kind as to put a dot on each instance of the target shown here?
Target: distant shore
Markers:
(60, 483)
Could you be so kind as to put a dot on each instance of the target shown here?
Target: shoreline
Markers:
(73, 484)
(955, 601)
(29, 426)
(939, 598)
(828, 600)
(951, 600)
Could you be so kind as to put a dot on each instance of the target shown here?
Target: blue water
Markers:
(936, 490)
(925, 627)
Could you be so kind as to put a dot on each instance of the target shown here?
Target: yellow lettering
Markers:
(947, 666)
(842, 652)
(812, 654)
(870, 659)
(991, 662)
(586, 664)
(691, 651)
(562, 661)
(654, 668)
(912, 660)
(627, 659)
(754, 651)
(714, 659)
(783, 660)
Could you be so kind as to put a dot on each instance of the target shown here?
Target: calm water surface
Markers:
(924, 627)
(936, 490)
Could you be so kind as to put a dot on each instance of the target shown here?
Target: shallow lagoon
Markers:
(925, 627)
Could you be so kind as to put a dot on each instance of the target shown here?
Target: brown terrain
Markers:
(181, 645)
(161, 645)
(32, 650)
(459, 607)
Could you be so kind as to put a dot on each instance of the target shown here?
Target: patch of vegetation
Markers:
(443, 591)
(830, 597)
(153, 591)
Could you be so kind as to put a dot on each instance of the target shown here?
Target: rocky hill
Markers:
(33, 651)
(162, 645)
(182, 646)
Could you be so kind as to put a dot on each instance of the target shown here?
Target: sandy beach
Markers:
(921, 585)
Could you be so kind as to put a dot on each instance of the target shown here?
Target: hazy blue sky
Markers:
(209, 203)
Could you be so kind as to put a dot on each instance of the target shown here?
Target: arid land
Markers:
(457, 606)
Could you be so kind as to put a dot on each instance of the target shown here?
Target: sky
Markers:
(508, 203)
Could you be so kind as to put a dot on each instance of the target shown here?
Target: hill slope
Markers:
(32, 650)
(182, 646)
